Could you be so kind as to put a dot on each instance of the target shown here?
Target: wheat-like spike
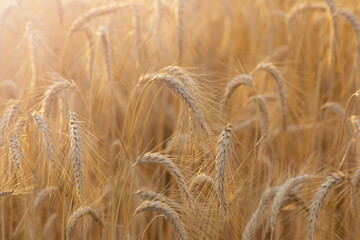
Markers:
(106, 53)
(19, 126)
(76, 151)
(340, 111)
(15, 146)
(168, 212)
(281, 196)
(355, 24)
(354, 185)
(172, 168)
(221, 160)
(79, 213)
(43, 126)
(304, 7)
(51, 93)
(332, 180)
(275, 73)
(201, 179)
(176, 86)
(242, 79)
(183, 76)
(9, 116)
(254, 221)
(153, 196)
(40, 197)
(180, 27)
(90, 50)
(15, 149)
(34, 56)
(6, 193)
(92, 13)
(264, 110)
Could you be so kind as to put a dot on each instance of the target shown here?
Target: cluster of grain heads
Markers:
(275, 73)
(173, 170)
(170, 214)
(153, 196)
(44, 128)
(332, 181)
(106, 53)
(240, 80)
(76, 151)
(79, 213)
(221, 160)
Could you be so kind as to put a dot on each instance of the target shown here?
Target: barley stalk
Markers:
(202, 179)
(43, 126)
(34, 56)
(282, 195)
(50, 94)
(355, 24)
(76, 151)
(221, 160)
(168, 212)
(275, 73)
(9, 116)
(340, 111)
(106, 53)
(332, 180)
(153, 196)
(173, 169)
(90, 50)
(236, 82)
(254, 221)
(93, 13)
(304, 7)
(175, 85)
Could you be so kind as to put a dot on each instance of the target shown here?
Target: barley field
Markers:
(179, 119)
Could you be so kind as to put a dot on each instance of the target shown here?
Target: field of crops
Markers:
(179, 119)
